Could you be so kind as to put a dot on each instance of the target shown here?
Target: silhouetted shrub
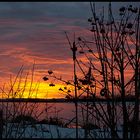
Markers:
(23, 118)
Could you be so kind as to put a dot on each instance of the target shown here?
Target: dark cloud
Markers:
(34, 10)
(21, 10)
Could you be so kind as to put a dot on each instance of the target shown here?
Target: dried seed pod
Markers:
(79, 87)
(89, 19)
(50, 72)
(122, 9)
(68, 97)
(68, 82)
(134, 10)
(60, 89)
(79, 38)
(85, 82)
(51, 85)
(93, 23)
(129, 25)
(65, 88)
(130, 8)
(103, 92)
(90, 50)
(45, 78)
(69, 91)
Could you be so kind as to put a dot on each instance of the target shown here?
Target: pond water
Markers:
(65, 111)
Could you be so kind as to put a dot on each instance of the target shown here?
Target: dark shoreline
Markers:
(62, 100)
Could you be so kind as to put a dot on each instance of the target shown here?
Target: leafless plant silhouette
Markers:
(110, 65)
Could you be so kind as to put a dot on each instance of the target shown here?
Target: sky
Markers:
(33, 32)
